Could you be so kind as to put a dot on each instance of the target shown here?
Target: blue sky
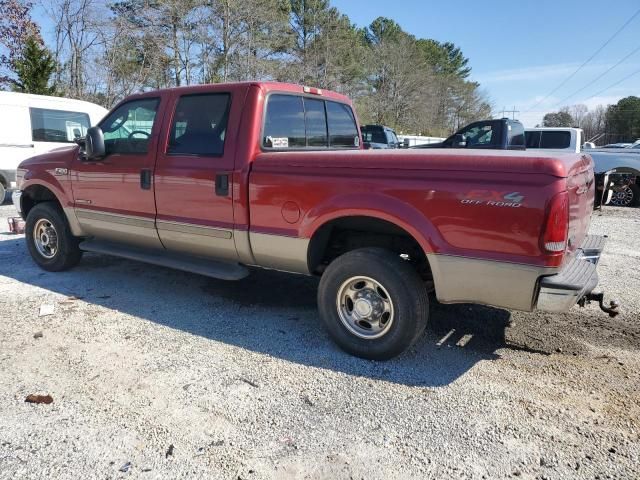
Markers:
(521, 50)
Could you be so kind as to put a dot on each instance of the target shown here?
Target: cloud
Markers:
(527, 73)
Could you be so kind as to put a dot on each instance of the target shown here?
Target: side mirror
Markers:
(94, 144)
(459, 141)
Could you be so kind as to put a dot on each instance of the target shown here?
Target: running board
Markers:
(187, 263)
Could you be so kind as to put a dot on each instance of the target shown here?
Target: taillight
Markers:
(556, 228)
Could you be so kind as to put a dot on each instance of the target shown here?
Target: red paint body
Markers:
(451, 201)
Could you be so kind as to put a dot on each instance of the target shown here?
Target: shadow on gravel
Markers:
(268, 312)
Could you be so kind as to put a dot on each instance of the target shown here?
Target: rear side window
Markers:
(532, 139)
(343, 131)
(57, 125)
(555, 140)
(284, 123)
(315, 122)
(301, 122)
(200, 125)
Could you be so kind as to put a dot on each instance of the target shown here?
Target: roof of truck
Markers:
(267, 87)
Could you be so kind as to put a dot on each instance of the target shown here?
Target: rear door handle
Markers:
(222, 184)
(145, 179)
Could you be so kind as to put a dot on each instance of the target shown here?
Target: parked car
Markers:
(33, 124)
(379, 136)
(502, 134)
(617, 176)
(552, 138)
(215, 178)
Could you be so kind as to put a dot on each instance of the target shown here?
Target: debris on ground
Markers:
(38, 335)
(169, 451)
(47, 309)
(125, 468)
(46, 399)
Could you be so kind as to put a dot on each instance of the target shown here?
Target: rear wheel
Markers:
(49, 239)
(373, 303)
(3, 193)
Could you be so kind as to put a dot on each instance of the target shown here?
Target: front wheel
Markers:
(373, 303)
(49, 239)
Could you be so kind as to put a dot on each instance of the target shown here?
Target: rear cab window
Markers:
(555, 139)
(301, 122)
(59, 126)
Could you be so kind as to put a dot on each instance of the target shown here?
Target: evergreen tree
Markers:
(34, 68)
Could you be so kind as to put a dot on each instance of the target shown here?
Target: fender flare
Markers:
(375, 205)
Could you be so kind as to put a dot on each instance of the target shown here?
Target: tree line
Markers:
(603, 124)
(103, 51)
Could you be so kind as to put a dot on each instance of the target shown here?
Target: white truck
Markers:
(552, 138)
(35, 124)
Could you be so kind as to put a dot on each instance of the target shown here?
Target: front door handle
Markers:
(222, 184)
(145, 179)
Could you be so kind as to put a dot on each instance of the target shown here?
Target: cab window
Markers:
(128, 128)
(199, 125)
(293, 121)
(478, 136)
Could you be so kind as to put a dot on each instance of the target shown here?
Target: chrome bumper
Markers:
(15, 198)
(576, 279)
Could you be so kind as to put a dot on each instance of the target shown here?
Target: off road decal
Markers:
(493, 198)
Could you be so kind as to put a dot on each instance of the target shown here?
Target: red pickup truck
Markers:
(214, 178)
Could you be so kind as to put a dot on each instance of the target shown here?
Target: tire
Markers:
(350, 302)
(3, 193)
(635, 188)
(49, 239)
(628, 196)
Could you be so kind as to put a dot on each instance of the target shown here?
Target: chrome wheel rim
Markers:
(45, 238)
(622, 197)
(365, 307)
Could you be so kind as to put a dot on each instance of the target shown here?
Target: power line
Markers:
(597, 78)
(614, 85)
(564, 82)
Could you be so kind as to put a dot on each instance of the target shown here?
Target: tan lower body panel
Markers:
(501, 284)
(198, 240)
(127, 229)
(280, 253)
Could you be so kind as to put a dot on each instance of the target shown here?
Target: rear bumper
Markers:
(576, 279)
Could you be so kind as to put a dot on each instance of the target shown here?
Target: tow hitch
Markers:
(614, 306)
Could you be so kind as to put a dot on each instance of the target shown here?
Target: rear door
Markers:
(15, 139)
(113, 197)
(193, 179)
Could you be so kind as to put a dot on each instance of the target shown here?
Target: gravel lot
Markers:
(162, 374)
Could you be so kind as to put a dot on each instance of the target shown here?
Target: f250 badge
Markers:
(492, 198)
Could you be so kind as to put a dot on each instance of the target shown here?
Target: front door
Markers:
(113, 197)
(193, 179)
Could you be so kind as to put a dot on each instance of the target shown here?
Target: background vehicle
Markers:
(214, 178)
(617, 176)
(502, 134)
(379, 136)
(551, 138)
(34, 124)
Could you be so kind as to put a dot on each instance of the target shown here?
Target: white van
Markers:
(34, 124)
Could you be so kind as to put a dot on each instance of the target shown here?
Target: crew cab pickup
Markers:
(214, 179)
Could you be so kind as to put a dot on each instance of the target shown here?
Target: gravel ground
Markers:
(161, 374)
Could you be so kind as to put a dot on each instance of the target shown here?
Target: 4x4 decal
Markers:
(493, 198)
